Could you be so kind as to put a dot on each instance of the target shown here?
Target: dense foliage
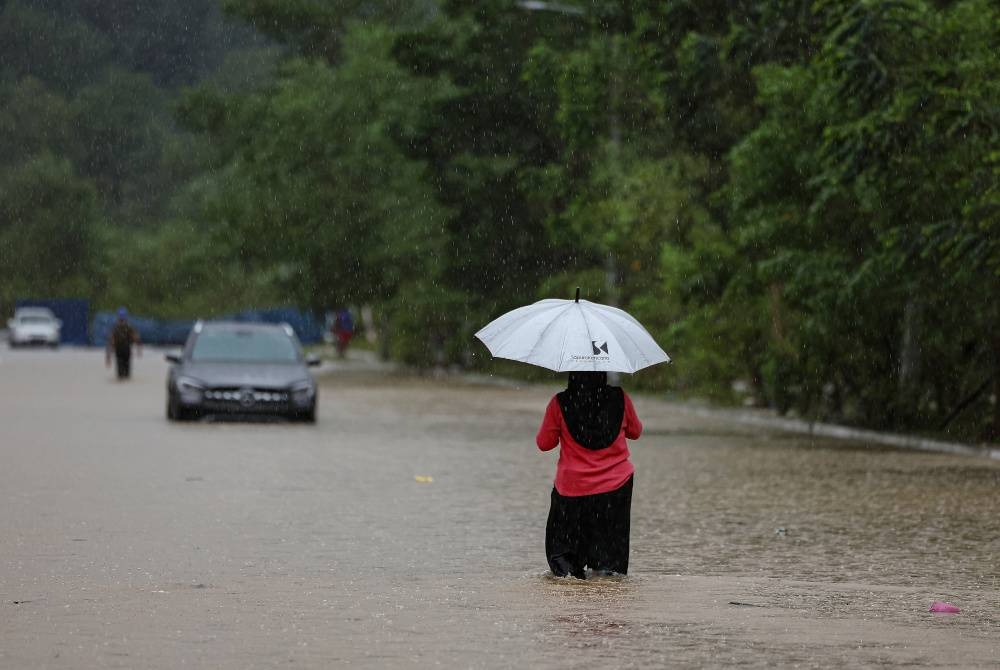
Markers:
(798, 197)
(100, 191)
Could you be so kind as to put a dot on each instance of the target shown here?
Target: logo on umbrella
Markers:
(600, 350)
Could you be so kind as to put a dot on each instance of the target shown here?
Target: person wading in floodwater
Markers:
(120, 341)
(343, 331)
(588, 524)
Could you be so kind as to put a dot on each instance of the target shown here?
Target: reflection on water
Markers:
(835, 513)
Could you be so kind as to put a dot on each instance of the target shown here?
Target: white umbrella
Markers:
(572, 336)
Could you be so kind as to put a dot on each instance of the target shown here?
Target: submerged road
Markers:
(405, 529)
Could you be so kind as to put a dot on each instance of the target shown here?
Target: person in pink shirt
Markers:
(588, 524)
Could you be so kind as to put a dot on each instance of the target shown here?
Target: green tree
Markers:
(319, 29)
(119, 131)
(50, 46)
(47, 218)
(33, 120)
(318, 186)
(485, 145)
(852, 183)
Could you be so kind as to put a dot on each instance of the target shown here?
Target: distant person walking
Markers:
(590, 515)
(343, 330)
(123, 335)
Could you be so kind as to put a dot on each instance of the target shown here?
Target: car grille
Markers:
(247, 398)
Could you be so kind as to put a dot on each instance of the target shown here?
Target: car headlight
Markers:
(189, 386)
(303, 392)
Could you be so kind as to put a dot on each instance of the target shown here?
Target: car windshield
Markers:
(33, 318)
(250, 345)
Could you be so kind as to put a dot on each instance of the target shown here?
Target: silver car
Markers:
(231, 368)
(34, 326)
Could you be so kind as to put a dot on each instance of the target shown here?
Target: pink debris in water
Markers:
(943, 607)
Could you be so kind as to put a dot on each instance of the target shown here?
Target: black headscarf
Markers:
(593, 410)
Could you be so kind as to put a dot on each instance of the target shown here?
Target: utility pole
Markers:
(614, 126)
(614, 135)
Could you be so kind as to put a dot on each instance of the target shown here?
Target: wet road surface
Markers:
(406, 528)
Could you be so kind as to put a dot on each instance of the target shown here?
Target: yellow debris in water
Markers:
(423, 479)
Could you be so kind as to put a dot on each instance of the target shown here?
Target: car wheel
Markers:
(309, 416)
(174, 410)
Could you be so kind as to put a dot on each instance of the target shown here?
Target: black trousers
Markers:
(123, 363)
(589, 532)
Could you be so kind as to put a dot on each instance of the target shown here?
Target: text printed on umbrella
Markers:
(597, 356)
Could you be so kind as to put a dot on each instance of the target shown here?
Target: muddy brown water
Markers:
(406, 530)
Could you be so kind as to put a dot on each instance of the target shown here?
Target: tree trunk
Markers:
(384, 336)
(908, 373)
(995, 428)
(777, 321)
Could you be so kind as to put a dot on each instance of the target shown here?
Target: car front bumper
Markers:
(25, 339)
(269, 402)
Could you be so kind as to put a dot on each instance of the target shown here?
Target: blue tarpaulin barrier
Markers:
(73, 312)
(175, 332)
(305, 325)
(151, 331)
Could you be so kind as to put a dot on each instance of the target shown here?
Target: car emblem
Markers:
(246, 397)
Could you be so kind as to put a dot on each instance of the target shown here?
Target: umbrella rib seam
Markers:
(511, 328)
(554, 320)
(590, 334)
(645, 358)
(541, 335)
(635, 344)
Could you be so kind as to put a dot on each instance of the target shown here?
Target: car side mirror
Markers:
(312, 360)
(173, 358)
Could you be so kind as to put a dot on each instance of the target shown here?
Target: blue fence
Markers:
(151, 331)
(175, 332)
(74, 314)
(305, 325)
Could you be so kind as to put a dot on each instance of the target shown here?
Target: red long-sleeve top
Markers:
(582, 471)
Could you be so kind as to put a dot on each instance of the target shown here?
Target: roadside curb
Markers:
(367, 361)
(844, 432)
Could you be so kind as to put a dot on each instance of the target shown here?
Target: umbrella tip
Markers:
(577, 294)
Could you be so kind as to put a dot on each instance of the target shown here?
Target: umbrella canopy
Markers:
(572, 336)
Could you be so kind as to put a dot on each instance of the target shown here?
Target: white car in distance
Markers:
(34, 325)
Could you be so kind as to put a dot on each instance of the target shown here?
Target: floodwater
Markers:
(406, 529)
